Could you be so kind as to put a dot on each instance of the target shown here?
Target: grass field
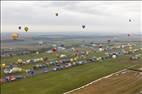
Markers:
(65, 80)
(128, 82)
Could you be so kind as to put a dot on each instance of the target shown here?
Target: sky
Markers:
(98, 16)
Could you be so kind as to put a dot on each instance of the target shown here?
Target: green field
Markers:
(65, 80)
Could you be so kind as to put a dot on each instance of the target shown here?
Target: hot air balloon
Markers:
(129, 37)
(26, 29)
(3, 65)
(130, 20)
(108, 41)
(19, 27)
(40, 43)
(62, 45)
(54, 50)
(57, 14)
(83, 26)
(19, 61)
(14, 36)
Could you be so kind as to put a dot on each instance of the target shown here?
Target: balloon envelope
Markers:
(19, 27)
(19, 60)
(57, 14)
(54, 50)
(15, 36)
(26, 29)
(62, 45)
(3, 65)
(108, 41)
(40, 42)
(83, 26)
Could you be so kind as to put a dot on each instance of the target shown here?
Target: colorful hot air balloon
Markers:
(15, 36)
(19, 27)
(54, 50)
(26, 29)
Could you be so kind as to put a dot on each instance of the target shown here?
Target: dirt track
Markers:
(127, 82)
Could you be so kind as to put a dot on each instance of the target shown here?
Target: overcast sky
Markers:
(98, 16)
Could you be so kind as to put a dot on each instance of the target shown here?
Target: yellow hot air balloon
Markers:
(19, 61)
(26, 29)
(71, 60)
(15, 36)
(3, 65)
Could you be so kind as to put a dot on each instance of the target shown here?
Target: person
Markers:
(10, 66)
(31, 72)
(2, 81)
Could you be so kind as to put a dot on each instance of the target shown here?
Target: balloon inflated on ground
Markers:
(3, 65)
(54, 50)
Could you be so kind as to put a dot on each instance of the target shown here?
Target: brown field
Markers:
(127, 82)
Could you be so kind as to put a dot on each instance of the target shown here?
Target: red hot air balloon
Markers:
(54, 50)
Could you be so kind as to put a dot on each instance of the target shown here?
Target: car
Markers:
(80, 62)
(93, 59)
(19, 77)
